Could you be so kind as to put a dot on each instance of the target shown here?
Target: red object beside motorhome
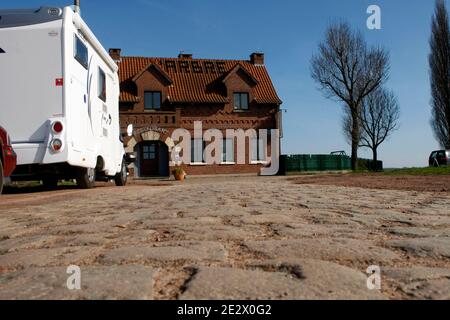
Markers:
(8, 158)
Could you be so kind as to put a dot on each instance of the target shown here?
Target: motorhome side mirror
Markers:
(130, 130)
(130, 157)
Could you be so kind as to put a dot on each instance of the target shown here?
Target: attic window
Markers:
(152, 100)
(184, 66)
(240, 101)
(221, 66)
(171, 65)
(209, 67)
(196, 67)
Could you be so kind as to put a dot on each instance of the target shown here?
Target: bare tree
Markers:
(348, 71)
(347, 126)
(379, 117)
(439, 61)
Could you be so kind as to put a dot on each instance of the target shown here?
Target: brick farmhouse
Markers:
(159, 95)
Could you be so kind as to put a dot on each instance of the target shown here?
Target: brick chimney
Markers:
(115, 54)
(183, 55)
(257, 58)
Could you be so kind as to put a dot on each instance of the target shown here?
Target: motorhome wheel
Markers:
(121, 177)
(86, 178)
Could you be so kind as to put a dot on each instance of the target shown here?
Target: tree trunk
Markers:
(375, 159)
(355, 137)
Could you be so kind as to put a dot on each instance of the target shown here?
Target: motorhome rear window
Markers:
(101, 85)
(81, 52)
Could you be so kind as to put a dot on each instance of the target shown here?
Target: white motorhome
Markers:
(59, 92)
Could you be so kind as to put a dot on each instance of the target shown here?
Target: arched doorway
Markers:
(152, 148)
(152, 158)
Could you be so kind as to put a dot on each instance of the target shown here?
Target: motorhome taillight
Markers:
(57, 127)
(56, 144)
(9, 151)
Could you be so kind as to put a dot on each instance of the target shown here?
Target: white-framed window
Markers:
(228, 151)
(259, 148)
(197, 149)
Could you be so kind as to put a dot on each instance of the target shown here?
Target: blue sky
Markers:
(288, 32)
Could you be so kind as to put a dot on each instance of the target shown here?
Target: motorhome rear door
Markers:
(30, 72)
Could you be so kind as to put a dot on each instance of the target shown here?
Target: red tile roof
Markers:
(195, 87)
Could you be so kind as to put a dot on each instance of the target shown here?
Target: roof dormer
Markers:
(159, 73)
